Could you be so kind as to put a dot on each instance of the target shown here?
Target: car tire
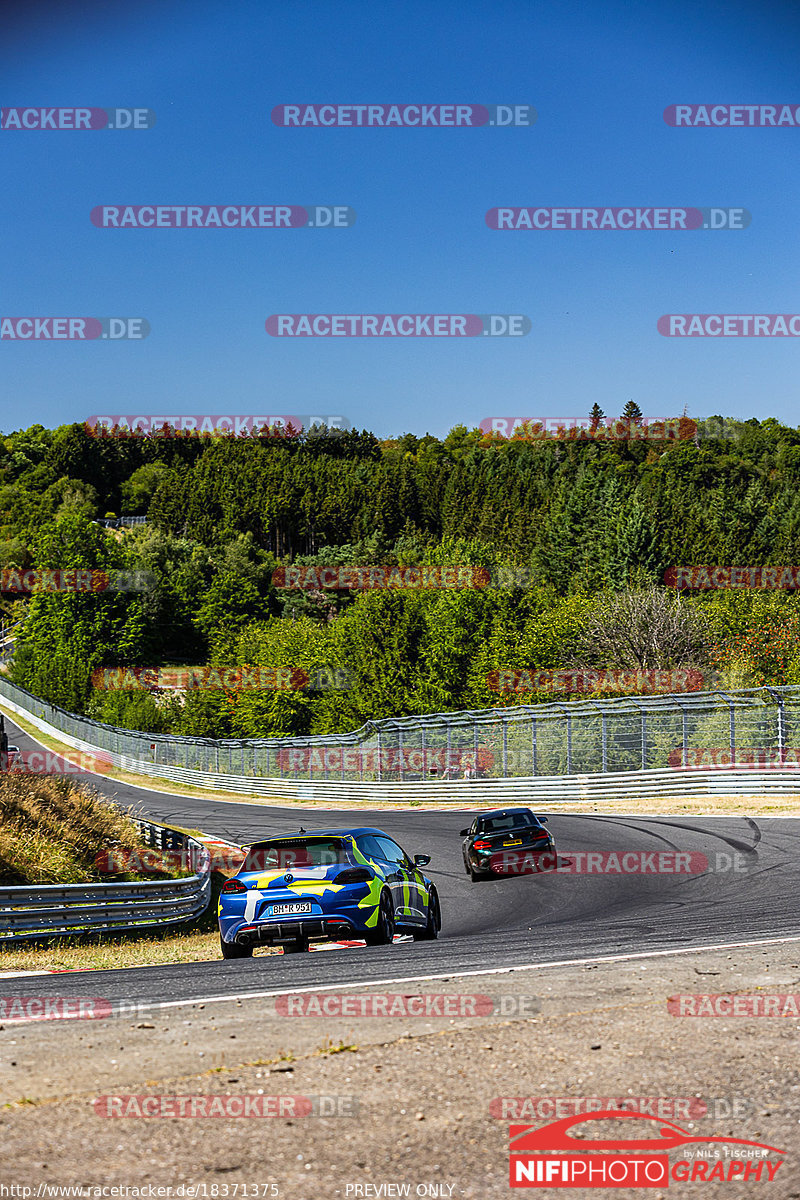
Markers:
(431, 930)
(477, 876)
(383, 933)
(234, 950)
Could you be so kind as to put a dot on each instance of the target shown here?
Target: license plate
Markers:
(282, 910)
(518, 842)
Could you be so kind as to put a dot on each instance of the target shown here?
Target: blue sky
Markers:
(599, 75)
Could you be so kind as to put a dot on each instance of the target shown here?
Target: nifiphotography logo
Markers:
(550, 1156)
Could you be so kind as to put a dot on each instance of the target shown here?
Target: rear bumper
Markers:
(270, 933)
(520, 860)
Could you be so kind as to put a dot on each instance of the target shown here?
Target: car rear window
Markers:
(512, 821)
(286, 853)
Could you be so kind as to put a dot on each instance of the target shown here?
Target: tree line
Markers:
(565, 528)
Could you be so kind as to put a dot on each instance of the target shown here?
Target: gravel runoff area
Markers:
(410, 1097)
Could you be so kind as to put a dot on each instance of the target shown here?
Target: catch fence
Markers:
(739, 729)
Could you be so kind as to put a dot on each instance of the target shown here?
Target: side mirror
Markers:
(13, 749)
(464, 833)
(542, 820)
(421, 860)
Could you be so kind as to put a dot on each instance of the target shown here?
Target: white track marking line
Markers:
(568, 962)
(25, 974)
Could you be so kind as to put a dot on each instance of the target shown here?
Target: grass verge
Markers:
(54, 830)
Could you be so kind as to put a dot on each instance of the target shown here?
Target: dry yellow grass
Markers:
(51, 830)
(143, 951)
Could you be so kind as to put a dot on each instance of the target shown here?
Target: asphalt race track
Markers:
(750, 891)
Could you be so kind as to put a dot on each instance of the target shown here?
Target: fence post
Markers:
(604, 737)
(781, 730)
(685, 716)
(505, 748)
(732, 718)
(569, 744)
(400, 753)
(533, 746)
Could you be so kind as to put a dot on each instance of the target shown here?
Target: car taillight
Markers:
(354, 875)
(482, 845)
(234, 886)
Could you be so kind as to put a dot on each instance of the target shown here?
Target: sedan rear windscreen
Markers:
(295, 853)
(501, 824)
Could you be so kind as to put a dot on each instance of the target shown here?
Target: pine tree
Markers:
(596, 416)
(632, 412)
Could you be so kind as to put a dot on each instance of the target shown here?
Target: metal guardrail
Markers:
(55, 910)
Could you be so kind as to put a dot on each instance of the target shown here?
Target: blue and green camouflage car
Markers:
(336, 884)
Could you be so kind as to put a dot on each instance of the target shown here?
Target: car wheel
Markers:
(431, 930)
(234, 950)
(477, 876)
(467, 867)
(383, 933)
(298, 947)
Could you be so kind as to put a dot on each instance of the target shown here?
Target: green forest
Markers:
(573, 535)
